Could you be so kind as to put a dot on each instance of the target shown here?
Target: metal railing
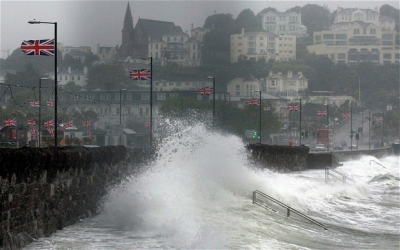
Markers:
(329, 172)
(376, 163)
(288, 208)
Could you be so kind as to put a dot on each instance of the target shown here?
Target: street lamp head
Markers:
(210, 77)
(33, 21)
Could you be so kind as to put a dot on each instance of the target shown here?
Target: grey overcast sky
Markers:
(100, 22)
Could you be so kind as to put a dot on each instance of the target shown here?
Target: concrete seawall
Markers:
(286, 158)
(43, 190)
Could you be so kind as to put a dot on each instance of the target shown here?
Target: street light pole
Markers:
(327, 124)
(55, 75)
(213, 78)
(300, 124)
(151, 101)
(120, 115)
(351, 129)
(369, 129)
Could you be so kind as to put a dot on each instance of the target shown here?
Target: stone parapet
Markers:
(43, 190)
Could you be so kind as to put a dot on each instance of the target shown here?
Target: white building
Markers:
(262, 45)
(284, 23)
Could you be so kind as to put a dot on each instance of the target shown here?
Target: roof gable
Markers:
(157, 29)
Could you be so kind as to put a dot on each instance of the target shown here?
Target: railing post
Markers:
(288, 212)
(254, 196)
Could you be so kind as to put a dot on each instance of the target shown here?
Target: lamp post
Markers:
(369, 129)
(120, 115)
(213, 79)
(259, 125)
(40, 106)
(351, 129)
(327, 125)
(55, 75)
(300, 123)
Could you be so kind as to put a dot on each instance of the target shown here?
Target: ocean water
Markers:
(197, 194)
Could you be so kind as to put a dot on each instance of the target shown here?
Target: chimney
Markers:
(242, 31)
(280, 73)
(299, 73)
(270, 73)
(85, 70)
(69, 70)
(289, 74)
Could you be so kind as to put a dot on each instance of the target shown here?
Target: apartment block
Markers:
(284, 23)
(262, 45)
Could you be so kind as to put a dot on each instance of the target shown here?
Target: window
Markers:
(372, 31)
(145, 96)
(161, 96)
(387, 36)
(328, 36)
(237, 87)
(102, 97)
(356, 31)
(387, 56)
(341, 56)
(341, 36)
(128, 96)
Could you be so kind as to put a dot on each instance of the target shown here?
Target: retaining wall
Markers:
(43, 190)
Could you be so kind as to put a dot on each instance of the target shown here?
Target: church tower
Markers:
(127, 34)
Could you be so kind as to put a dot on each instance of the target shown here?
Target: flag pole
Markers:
(260, 114)
(300, 124)
(151, 101)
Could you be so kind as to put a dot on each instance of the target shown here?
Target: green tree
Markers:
(109, 77)
(247, 20)
(315, 18)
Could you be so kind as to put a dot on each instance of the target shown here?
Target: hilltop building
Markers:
(262, 45)
(358, 35)
(284, 23)
(163, 41)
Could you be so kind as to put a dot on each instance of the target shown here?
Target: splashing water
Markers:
(197, 194)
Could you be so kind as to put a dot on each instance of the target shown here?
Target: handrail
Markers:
(376, 163)
(289, 209)
(344, 177)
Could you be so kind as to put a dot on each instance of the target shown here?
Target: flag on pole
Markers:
(31, 123)
(147, 124)
(50, 103)
(10, 122)
(44, 47)
(86, 123)
(293, 108)
(267, 108)
(205, 91)
(33, 133)
(140, 74)
(379, 118)
(34, 104)
(253, 102)
(68, 124)
(346, 115)
(322, 112)
(49, 124)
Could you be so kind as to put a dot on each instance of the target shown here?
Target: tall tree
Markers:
(315, 18)
(247, 20)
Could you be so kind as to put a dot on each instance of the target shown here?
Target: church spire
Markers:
(128, 20)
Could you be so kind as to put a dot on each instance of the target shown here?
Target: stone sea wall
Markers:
(43, 190)
(280, 158)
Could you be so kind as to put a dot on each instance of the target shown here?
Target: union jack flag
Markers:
(205, 91)
(49, 124)
(31, 123)
(346, 115)
(68, 124)
(86, 123)
(43, 47)
(33, 133)
(10, 122)
(322, 112)
(140, 74)
(267, 108)
(50, 103)
(14, 134)
(293, 108)
(253, 102)
(379, 118)
(34, 104)
(147, 124)
(51, 131)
